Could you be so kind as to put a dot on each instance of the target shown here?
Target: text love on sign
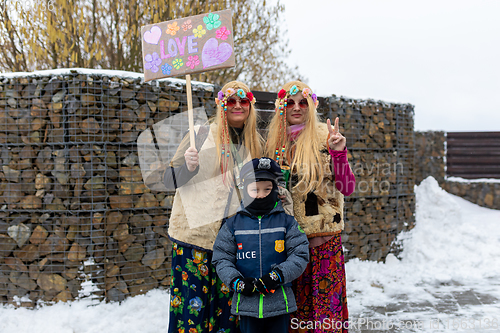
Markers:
(188, 45)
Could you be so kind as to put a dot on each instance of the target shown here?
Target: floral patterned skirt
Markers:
(199, 301)
(321, 291)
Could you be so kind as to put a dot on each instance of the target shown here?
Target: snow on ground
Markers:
(143, 313)
(453, 240)
(453, 247)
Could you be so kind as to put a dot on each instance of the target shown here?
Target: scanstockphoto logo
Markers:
(368, 324)
(371, 324)
(29, 5)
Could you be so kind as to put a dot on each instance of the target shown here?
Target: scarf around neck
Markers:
(293, 131)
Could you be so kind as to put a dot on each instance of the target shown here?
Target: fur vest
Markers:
(321, 213)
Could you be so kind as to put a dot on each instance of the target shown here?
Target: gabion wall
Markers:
(431, 156)
(76, 219)
(430, 149)
(380, 140)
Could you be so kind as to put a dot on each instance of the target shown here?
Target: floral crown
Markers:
(283, 95)
(282, 98)
(224, 95)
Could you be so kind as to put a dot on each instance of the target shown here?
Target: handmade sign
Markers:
(189, 45)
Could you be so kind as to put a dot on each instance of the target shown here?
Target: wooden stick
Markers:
(190, 110)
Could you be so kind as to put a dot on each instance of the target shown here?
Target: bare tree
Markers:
(47, 34)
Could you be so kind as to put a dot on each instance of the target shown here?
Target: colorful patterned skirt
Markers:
(199, 301)
(321, 291)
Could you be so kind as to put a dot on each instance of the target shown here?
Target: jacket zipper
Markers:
(261, 298)
(260, 246)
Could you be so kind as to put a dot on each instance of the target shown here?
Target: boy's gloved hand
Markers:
(269, 282)
(244, 286)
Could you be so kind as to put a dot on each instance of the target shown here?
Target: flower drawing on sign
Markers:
(193, 62)
(187, 25)
(199, 31)
(222, 33)
(178, 63)
(172, 28)
(152, 62)
(165, 69)
(212, 21)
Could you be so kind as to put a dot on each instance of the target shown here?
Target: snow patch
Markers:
(107, 72)
(479, 180)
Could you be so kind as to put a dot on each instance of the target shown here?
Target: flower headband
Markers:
(306, 92)
(282, 97)
(223, 96)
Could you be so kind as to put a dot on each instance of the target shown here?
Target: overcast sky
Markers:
(442, 56)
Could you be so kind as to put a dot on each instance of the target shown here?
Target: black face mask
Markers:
(262, 206)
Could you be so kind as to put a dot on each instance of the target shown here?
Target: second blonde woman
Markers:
(320, 176)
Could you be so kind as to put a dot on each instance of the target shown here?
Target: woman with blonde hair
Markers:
(205, 178)
(320, 176)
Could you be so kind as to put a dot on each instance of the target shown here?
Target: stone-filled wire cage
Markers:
(76, 219)
(381, 142)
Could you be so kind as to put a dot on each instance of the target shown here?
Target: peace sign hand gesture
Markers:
(336, 141)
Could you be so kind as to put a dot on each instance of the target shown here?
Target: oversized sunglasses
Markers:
(231, 101)
(290, 103)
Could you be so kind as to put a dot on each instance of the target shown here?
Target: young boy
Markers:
(260, 251)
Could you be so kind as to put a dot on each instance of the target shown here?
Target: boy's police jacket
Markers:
(250, 246)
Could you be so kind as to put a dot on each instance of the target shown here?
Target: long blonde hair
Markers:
(252, 140)
(303, 156)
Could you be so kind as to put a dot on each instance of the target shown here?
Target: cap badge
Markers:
(264, 163)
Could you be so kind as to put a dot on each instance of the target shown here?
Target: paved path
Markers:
(454, 308)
